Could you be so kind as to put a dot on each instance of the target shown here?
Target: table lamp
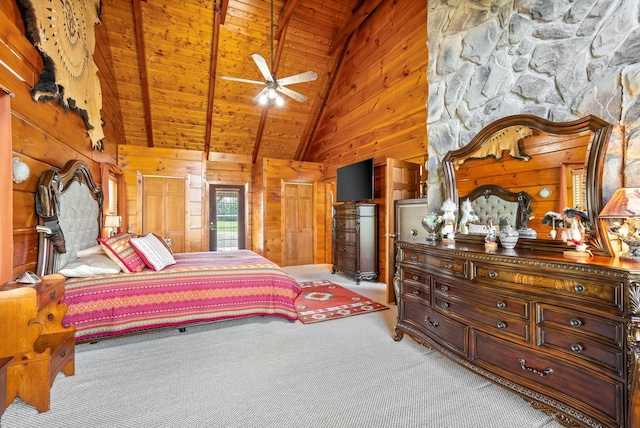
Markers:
(625, 204)
(112, 222)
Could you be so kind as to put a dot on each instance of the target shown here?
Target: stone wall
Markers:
(557, 59)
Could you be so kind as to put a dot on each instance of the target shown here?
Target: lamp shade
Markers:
(112, 221)
(624, 203)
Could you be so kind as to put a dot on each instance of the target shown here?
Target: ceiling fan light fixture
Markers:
(272, 94)
(279, 101)
(263, 99)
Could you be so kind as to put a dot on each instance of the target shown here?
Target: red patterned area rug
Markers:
(324, 300)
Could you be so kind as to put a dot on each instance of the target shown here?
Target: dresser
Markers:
(31, 333)
(564, 334)
(355, 240)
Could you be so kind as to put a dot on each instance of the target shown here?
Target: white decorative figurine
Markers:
(449, 216)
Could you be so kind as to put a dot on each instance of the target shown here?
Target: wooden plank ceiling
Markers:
(169, 55)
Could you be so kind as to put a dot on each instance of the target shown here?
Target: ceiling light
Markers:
(279, 101)
(263, 99)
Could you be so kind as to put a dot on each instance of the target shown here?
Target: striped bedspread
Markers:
(200, 287)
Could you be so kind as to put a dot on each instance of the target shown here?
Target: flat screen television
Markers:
(354, 183)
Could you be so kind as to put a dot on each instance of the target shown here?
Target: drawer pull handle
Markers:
(444, 305)
(576, 348)
(52, 295)
(416, 293)
(501, 305)
(342, 223)
(447, 265)
(63, 352)
(493, 274)
(575, 322)
(414, 232)
(414, 257)
(501, 325)
(580, 288)
(444, 288)
(431, 323)
(343, 236)
(544, 373)
(415, 277)
(50, 317)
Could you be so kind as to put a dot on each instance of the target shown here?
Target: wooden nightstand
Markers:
(4, 364)
(31, 332)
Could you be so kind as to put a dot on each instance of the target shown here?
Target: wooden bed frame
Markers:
(197, 288)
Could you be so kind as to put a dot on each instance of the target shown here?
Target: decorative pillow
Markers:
(96, 249)
(122, 253)
(153, 251)
(91, 265)
(163, 242)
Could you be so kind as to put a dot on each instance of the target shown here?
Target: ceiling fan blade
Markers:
(263, 67)
(237, 79)
(262, 92)
(293, 94)
(307, 76)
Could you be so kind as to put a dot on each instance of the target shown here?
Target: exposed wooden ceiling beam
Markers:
(219, 13)
(354, 22)
(144, 80)
(283, 20)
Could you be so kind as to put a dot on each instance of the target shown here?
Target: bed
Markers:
(127, 283)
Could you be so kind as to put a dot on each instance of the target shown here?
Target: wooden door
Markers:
(402, 182)
(298, 224)
(164, 209)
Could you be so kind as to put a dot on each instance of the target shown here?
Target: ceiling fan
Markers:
(271, 83)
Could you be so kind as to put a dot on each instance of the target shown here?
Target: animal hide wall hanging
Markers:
(63, 33)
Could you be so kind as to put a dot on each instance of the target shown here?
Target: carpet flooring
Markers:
(268, 372)
(324, 300)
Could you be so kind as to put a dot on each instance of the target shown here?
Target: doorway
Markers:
(226, 218)
(298, 224)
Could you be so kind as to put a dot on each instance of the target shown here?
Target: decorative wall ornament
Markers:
(505, 139)
(63, 33)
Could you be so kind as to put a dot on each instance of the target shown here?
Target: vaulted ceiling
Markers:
(169, 56)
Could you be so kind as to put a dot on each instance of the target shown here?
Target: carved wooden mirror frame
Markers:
(484, 145)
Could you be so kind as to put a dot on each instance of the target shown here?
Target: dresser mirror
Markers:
(559, 164)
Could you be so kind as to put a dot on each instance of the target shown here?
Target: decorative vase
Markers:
(509, 239)
(432, 223)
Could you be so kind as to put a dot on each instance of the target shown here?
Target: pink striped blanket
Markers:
(199, 287)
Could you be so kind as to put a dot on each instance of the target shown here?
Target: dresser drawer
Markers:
(345, 210)
(550, 376)
(582, 323)
(512, 306)
(415, 286)
(452, 334)
(345, 223)
(444, 266)
(52, 292)
(603, 293)
(346, 261)
(345, 237)
(491, 320)
(581, 348)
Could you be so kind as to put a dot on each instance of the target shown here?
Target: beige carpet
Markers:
(268, 372)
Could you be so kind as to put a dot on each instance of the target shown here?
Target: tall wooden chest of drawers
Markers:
(562, 333)
(355, 240)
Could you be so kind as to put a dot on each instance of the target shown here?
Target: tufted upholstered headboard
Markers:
(69, 206)
(496, 201)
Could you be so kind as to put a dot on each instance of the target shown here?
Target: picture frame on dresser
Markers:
(561, 332)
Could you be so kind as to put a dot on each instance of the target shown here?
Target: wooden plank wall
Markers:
(191, 165)
(377, 108)
(268, 178)
(43, 134)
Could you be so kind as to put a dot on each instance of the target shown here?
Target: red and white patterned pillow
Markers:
(154, 252)
(119, 249)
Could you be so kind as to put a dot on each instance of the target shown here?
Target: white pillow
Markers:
(152, 251)
(97, 249)
(91, 265)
